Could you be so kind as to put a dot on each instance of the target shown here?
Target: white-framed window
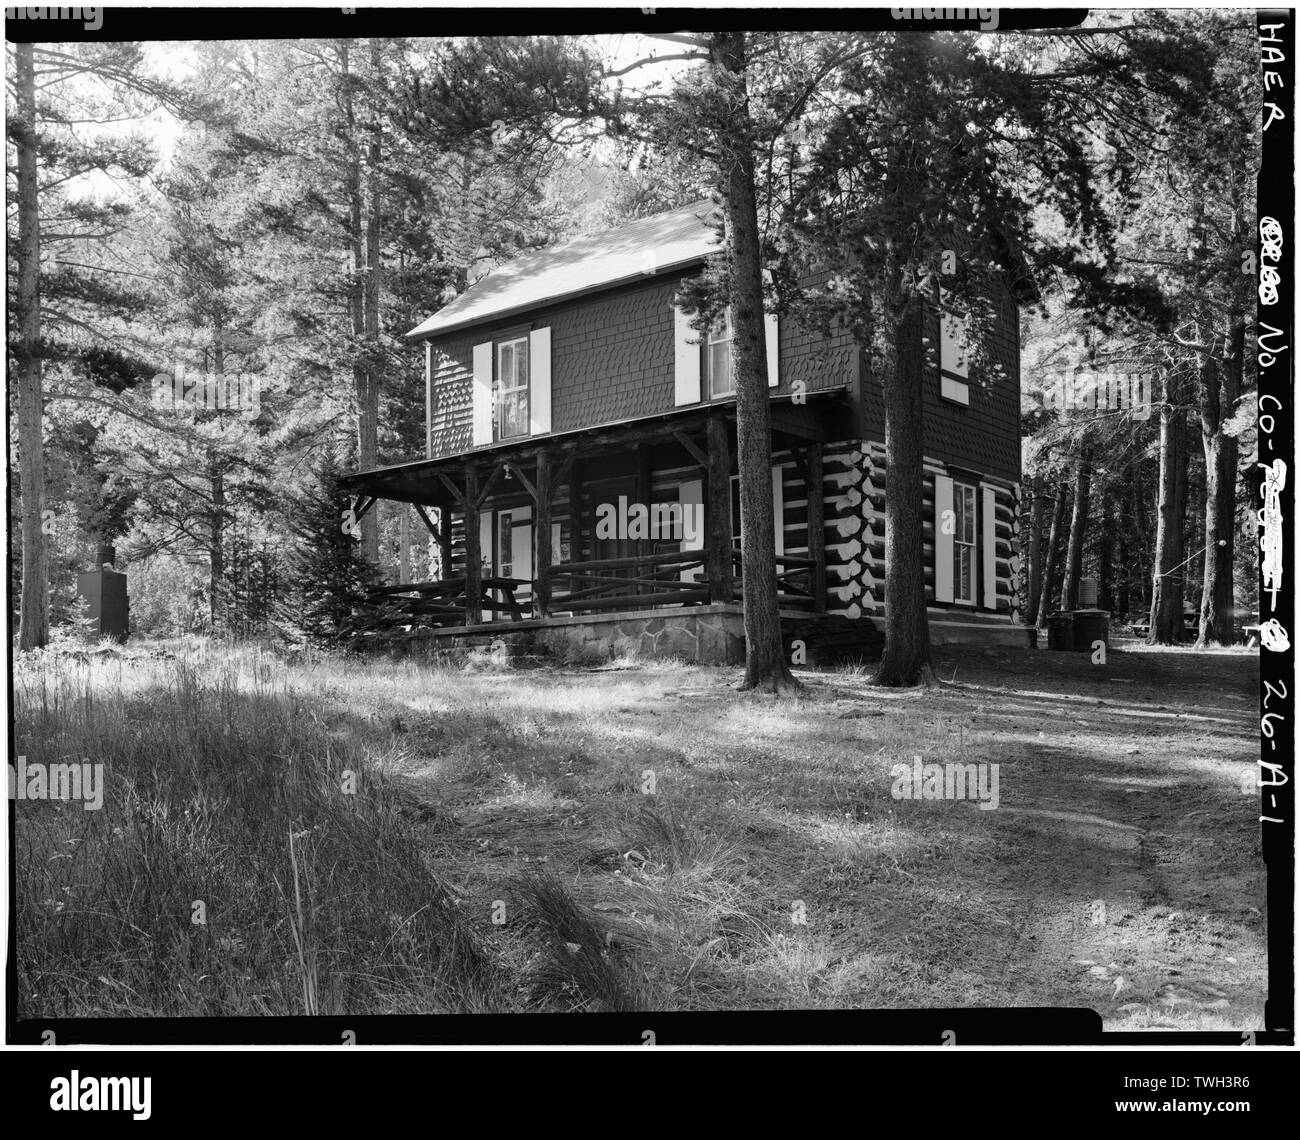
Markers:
(954, 349)
(718, 358)
(964, 543)
(512, 388)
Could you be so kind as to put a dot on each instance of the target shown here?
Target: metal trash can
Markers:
(1060, 630)
(1091, 626)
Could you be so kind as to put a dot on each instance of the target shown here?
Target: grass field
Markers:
(500, 848)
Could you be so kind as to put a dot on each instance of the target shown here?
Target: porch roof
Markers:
(820, 419)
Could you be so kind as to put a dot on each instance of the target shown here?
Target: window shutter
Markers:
(942, 542)
(482, 394)
(988, 539)
(686, 360)
(539, 381)
(772, 326)
(954, 338)
(691, 496)
(778, 507)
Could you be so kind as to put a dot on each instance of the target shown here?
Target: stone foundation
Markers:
(705, 635)
(701, 635)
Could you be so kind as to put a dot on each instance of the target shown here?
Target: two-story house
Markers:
(580, 453)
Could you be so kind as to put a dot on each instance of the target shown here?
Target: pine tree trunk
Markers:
(1167, 576)
(361, 303)
(404, 543)
(1078, 530)
(765, 664)
(1140, 532)
(216, 556)
(217, 513)
(1125, 563)
(1035, 546)
(906, 659)
(1051, 557)
(34, 614)
(370, 300)
(1106, 552)
(1217, 593)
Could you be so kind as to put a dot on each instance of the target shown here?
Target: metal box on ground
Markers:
(105, 591)
(1060, 630)
(1091, 626)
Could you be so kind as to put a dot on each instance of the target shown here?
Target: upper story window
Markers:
(512, 388)
(954, 349)
(721, 380)
(963, 543)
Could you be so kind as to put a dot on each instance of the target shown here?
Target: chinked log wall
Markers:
(854, 487)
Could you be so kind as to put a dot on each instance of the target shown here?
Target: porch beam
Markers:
(808, 425)
(717, 537)
(361, 504)
(517, 472)
(473, 549)
(456, 492)
(444, 540)
(577, 550)
(691, 448)
(429, 524)
(497, 472)
(542, 539)
(561, 474)
(645, 491)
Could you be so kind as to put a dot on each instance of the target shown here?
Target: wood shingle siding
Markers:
(613, 358)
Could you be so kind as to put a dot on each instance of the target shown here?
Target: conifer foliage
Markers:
(329, 581)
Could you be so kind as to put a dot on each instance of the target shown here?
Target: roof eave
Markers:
(415, 336)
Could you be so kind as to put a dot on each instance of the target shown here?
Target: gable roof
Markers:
(583, 265)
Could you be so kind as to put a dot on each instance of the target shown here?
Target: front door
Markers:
(506, 539)
(607, 492)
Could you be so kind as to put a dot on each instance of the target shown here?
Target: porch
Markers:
(607, 522)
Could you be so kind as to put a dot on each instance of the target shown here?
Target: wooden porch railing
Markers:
(794, 580)
(648, 580)
(633, 583)
(444, 602)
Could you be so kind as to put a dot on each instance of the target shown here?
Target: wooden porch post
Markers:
(542, 539)
(644, 479)
(816, 524)
(444, 541)
(577, 548)
(717, 538)
(473, 550)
